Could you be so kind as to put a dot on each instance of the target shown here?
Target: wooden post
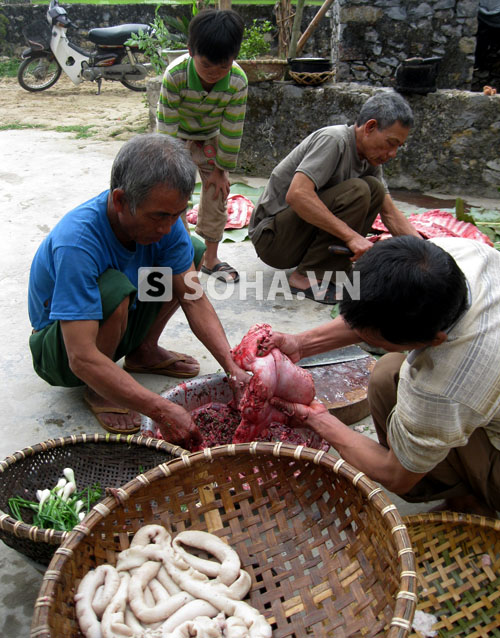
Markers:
(312, 25)
(224, 4)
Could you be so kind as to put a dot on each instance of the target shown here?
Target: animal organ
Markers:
(274, 375)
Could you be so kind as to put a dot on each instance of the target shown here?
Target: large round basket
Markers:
(109, 460)
(458, 566)
(327, 552)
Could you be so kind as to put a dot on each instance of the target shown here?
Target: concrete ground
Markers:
(43, 174)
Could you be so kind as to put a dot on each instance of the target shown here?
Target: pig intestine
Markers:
(159, 589)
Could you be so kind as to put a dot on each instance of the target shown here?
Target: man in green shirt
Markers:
(203, 101)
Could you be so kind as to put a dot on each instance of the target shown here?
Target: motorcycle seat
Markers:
(115, 36)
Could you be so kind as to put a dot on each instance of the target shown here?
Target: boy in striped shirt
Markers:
(203, 101)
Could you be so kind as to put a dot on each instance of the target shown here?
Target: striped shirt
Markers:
(187, 110)
(446, 392)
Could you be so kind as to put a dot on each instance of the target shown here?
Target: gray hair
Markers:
(387, 107)
(150, 159)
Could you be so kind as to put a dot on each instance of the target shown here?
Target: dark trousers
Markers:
(471, 469)
(292, 242)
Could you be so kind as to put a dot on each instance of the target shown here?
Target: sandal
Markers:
(223, 269)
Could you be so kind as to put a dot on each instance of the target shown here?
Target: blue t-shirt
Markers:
(63, 278)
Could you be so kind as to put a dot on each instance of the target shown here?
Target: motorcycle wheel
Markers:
(140, 83)
(38, 73)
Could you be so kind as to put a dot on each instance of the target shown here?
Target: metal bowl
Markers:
(310, 65)
(209, 388)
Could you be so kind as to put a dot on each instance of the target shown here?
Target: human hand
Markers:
(177, 427)
(299, 413)
(358, 245)
(238, 380)
(219, 179)
(288, 344)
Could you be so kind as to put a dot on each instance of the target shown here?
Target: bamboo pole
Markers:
(296, 28)
(312, 25)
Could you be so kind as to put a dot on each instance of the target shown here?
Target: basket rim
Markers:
(448, 516)
(20, 529)
(255, 61)
(406, 596)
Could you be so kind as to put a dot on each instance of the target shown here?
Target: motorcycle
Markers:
(50, 52)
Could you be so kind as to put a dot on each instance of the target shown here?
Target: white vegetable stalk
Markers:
(61, 484)
(70, 475)
(78, 506)
(42, 496)
(69, 488)
(81, 515)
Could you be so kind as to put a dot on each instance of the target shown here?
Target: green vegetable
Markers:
(60, 508)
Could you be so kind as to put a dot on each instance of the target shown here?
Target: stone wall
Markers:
(369, 40)
(453, 147)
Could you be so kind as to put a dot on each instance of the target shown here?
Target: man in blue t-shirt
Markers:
(83, 287)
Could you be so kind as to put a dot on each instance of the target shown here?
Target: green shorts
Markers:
(50, 359)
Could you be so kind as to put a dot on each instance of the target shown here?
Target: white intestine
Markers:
(159, 589)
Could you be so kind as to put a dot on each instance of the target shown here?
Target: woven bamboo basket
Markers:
(312, 79)
(458, 567)
(327, 552)
(110, 460)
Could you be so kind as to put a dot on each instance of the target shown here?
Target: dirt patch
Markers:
(117, 113)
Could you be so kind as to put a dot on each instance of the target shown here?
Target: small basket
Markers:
(327, 552)
(38, 35)
(263, 69)
(312, 79)
(110, 460)
(458, 569)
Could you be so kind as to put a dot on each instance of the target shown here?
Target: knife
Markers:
(340, 355)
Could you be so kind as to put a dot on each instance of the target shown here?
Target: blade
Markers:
(340, 355)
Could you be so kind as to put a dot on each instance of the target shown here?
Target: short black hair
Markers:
(216, 35)
(409, 290)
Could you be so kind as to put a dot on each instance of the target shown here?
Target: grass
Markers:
(8, 67)
(18, 126)
(81, 131)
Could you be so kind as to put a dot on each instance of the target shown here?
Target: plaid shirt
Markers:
(446, 392)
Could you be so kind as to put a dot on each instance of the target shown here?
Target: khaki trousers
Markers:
(471, 469)
(212, 213)
(292, 242)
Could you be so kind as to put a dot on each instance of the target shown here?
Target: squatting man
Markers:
(327, 191)
(436, 409)
(82, 301)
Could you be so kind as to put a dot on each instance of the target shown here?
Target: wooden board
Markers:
(342, 388)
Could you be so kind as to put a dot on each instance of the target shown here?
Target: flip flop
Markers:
(221, 268)
(96, 411)
(330, 296)
(164, 367)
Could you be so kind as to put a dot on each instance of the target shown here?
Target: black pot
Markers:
(417, 75)
(310, 65)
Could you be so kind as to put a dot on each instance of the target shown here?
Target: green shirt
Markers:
(187, 110)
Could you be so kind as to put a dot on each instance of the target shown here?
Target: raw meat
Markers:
(437, 223)
(274, 375)
(239, 211)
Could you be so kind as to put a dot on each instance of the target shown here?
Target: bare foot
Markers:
(299, 281)
(145, 357)
(112, 417)
(468, 504)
